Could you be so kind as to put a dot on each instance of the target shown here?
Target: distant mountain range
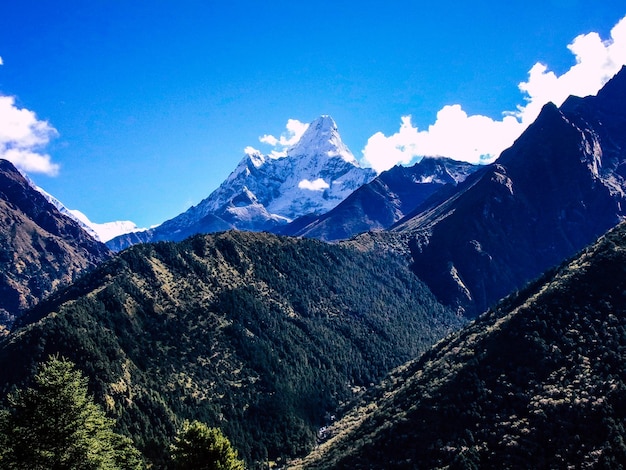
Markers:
(40, 248)
(316, 190)
(538, 382)
(101, 232)
(265, 192)
(474, 234)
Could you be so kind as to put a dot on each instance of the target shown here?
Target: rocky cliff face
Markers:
(40, 248)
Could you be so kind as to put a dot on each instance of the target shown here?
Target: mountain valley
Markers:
(310, 306)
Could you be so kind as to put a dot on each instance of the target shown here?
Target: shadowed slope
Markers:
(560, 186)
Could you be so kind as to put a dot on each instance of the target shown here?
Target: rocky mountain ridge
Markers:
(559, 187)
(40, 248)
(101, 232)
(384, 201)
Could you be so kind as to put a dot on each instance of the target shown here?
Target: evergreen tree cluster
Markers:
(55, 425)
(199, 447)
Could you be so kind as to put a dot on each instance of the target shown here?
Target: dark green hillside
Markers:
(538, 383)
(262, 336)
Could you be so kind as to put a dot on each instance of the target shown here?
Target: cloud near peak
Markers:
(317, 185)
(22, 136)
(480, 139)
(291, 136)
(294, 130)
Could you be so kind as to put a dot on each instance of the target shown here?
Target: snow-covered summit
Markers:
(322, 138)
(317, 173)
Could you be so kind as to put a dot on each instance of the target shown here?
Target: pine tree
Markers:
(55, 425)
(199, 447)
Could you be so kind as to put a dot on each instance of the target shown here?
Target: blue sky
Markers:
(143, 108)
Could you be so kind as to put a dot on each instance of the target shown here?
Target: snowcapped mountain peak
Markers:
(322, 138)
(255, 157)
(323, 125)
(265, 192)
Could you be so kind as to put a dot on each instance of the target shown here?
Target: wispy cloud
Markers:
(23, 136)
(292, 134)
(317, 185)
(480, 139)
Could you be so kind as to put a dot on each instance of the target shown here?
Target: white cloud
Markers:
(1, 61)
(269, 139)
(22, 136)
(596, 62)
(479, 138)
(278, 154)
(317, 185)
(249, 150)
(455, 134)
(294, 130)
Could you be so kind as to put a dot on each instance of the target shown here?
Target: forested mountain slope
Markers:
(260, 335)
(538, 382)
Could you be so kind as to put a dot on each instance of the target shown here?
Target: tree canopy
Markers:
(202, 448)
(55, 424)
